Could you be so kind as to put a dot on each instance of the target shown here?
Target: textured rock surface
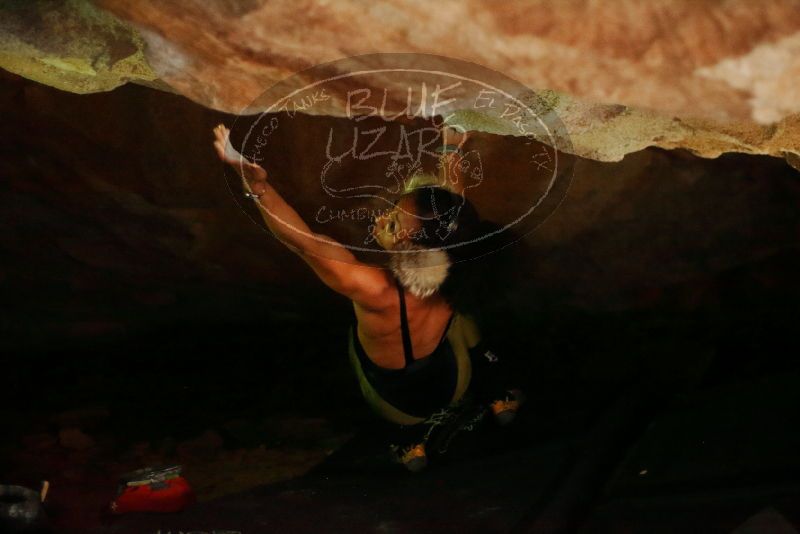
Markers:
(74, 438)
(670, 56)
(71, 45)
(710, 77)
(134, 281)
(121, 217)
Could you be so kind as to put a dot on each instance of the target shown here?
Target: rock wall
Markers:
(116, 214)
(710, 77)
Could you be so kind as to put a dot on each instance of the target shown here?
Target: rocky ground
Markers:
(80, 457)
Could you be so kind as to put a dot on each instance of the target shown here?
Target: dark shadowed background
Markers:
(133, 285)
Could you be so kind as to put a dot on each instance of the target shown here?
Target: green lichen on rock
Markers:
(607, 132)
(541, 102)
(70, 45)
(476, 121)
(500, 120)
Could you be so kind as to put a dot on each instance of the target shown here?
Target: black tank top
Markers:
(422, 386)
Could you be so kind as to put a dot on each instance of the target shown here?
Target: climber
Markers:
(414, 354)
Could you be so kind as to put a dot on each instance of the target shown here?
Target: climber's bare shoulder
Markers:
(368, 286)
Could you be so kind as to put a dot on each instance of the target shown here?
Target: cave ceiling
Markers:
(708, 77)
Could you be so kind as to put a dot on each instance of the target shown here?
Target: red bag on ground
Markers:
(153, 490)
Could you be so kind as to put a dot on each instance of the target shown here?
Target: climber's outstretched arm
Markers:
(335, 265)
